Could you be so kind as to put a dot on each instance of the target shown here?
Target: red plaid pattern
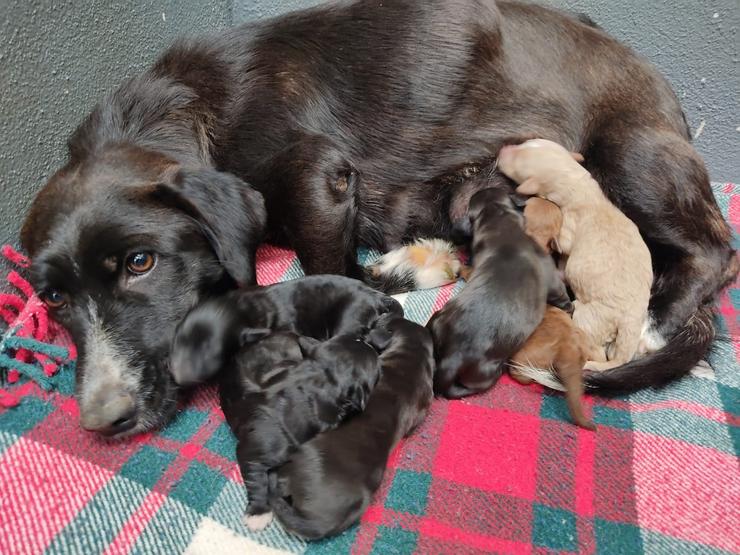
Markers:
(503, 472)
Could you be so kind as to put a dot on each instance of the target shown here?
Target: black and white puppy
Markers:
(318, 307)
(504, 301)
(329, 481)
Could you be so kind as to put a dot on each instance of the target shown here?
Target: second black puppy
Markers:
(330, 480)
(502, 303)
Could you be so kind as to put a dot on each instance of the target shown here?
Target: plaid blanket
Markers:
(503, 472)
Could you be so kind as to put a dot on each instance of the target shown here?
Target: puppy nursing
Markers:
(504, 301)
(609, 266)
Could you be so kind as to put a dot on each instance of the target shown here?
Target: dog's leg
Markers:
(315, 193)
(625, 347)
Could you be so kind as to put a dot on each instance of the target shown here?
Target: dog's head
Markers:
(123, 243)
(535, 163)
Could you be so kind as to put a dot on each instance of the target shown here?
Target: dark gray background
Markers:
(57, 58)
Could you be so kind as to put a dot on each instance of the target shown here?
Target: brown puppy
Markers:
(542, 222)
(558, 344)
(502, 304)
(609, 266)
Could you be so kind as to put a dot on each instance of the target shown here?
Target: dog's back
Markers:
(331, 479)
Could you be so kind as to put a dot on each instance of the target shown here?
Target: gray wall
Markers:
(57, 58)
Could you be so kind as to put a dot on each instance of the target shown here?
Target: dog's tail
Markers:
(674, 360)
(390, 283)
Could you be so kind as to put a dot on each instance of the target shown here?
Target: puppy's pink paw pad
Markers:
(257, 523)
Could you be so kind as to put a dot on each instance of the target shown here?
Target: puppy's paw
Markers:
(257, 523)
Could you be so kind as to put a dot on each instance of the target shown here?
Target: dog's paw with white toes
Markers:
(257, 523)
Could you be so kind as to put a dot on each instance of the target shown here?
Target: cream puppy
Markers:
(609, 267)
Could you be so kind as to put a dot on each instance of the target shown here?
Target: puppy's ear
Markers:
(578, 157)
(231, 214)
(379, 339)
(529, 187)
(518, 200)
(307, 344)
(462, 229)
(251, 335)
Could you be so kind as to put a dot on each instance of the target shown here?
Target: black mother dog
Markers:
(340, 115)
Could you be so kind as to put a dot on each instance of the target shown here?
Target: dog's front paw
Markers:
(257, 523)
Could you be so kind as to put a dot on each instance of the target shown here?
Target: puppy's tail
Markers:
(543, 376)
(674, 360)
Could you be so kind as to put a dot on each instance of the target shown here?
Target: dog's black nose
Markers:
(114, 415)
(122, 424)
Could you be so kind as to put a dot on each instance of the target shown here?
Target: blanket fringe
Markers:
(31, 346)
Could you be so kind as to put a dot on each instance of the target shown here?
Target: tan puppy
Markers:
(559, 345)
(609, 267)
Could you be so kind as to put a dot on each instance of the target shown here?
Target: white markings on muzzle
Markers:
(110, 374)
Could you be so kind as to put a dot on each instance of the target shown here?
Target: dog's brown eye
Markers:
(140, 263)
(53, 298)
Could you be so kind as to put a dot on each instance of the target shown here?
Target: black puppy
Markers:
(503, 302)
(292, 404)
(317, 306)
(329, 481)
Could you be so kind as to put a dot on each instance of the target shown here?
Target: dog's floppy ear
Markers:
(578, 157)
(529, 187)
(251, 335)
(231, 213)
